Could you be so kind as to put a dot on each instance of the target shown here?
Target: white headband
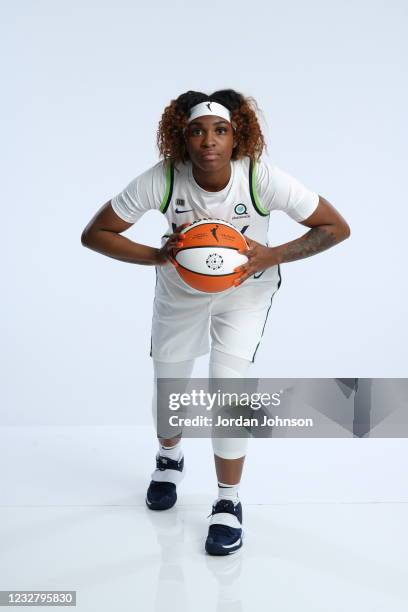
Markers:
(209, 108)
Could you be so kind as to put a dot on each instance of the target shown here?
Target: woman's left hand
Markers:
(260, 258)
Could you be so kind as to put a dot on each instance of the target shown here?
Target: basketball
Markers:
(209, 255)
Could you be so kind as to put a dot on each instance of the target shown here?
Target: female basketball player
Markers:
(211, 147)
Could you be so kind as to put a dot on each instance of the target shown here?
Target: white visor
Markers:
(209, 108)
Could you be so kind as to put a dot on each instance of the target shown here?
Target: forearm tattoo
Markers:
(315, 241)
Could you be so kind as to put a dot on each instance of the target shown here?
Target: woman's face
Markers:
(209, 142)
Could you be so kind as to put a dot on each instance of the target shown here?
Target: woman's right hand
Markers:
(165, 254)
(103, 234)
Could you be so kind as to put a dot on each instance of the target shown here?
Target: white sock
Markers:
(171, 452)
(174, 452)
(227, 491)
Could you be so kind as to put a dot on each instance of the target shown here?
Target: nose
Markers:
(208, 140)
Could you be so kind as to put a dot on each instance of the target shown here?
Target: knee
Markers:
(230, 448)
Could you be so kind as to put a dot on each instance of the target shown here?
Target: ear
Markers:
(234, 127)
(185, 143)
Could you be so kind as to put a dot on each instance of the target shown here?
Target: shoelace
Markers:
(223, 505)
(164, 463)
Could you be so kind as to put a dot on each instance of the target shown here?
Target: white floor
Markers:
(325, 524)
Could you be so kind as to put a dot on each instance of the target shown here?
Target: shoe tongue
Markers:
(225, 504)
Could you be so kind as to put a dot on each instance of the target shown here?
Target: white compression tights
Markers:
(221, 365)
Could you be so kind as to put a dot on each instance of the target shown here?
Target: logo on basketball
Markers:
(240, 209)
(214, 232)
(214, 261)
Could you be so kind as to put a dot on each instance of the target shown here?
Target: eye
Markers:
(222, 129)
(195, 131)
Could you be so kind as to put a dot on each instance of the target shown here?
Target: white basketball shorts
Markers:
(184, 320)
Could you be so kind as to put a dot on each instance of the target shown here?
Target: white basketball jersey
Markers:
(254, 190)
(185, 201)
(238, 315)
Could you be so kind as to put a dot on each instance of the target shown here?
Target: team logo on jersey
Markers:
(240, 209)
(214, 261)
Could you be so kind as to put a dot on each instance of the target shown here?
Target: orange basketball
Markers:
(209, 255)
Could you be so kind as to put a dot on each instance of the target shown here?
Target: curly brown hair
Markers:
(248, 135)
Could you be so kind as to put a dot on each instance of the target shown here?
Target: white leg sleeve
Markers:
(162, 369)
(223, 365)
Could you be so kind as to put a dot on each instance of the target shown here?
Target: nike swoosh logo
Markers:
(182, 211)
(231, 545)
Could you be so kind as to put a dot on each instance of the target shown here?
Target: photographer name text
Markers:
(240, 421)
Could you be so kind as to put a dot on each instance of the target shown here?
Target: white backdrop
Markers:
(87, 83)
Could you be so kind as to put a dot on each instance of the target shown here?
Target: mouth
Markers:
(209, 156)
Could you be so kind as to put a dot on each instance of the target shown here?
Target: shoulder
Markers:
(263, 169)
(155, 175)
(279, 190)
(255, 170)
(268, 177)
(243, 163)
(145, 191)
(157, 172)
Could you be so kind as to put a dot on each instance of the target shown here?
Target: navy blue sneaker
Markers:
(225, 532)
(162, 495)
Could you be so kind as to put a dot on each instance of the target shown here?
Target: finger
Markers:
(251, 243)
(254, 243)
(248, 253)
(175, 239)
(241, 279)
(246, 271)
(172, 260)
(175, 242)
(180, 227)
(240, 269)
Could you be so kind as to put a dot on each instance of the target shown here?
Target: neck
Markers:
(214, 180)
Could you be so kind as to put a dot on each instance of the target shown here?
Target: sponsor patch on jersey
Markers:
(241, 211)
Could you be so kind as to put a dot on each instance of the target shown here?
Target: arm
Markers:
(103, 235)
(327, 229)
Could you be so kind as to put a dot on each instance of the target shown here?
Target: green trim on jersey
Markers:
(252, 189)
(169, 188)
